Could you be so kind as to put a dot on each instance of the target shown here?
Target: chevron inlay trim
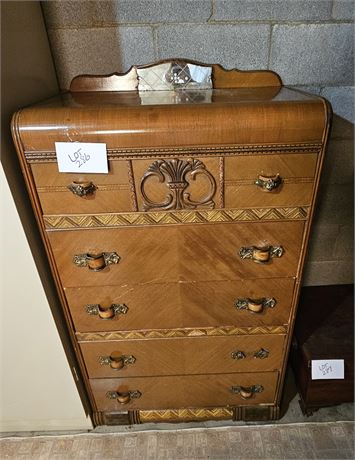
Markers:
(45, 156)
(65, 222)
(169, 333)
(184, 414)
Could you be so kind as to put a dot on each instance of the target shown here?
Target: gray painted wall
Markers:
(309, 43)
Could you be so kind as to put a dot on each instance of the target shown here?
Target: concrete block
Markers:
(313, 54)
(342, 99)
(272, 10)
(243, 46)
(339, 162)
(344, 244)
(343, 9)
(341, 128)
(328, 272)
(153, 11)
(335, 204)
(100, 51)
(69, 13)
(322, 242)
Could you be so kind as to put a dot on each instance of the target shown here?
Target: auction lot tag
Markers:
(327, 369)
(83, 157)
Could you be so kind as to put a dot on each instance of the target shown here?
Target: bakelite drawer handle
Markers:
(96, 262)
(123, 398)
(117, 363)
(82, 189)
(261, 255)
(259, 354)
(268, 183)
(247, 392)
(110, 312)
(255, 305)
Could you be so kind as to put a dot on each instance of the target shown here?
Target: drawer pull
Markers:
(255, 305)
(96, 262)
(117, 363)
(247, 392)
(268, 183)
(82, 188)
(106, 313)
(261, 255)
(238, 354)
(124, 398)
(260, 354)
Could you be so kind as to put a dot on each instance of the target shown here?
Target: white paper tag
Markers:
(83, 157)
(327, 369)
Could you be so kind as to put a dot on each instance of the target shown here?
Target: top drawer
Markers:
(170, 184)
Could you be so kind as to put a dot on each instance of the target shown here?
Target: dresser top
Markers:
(170, 119)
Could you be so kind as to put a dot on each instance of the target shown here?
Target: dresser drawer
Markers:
(207, 355)
(181, 305)
(293, 176)
(104, 192)
(184, 391)
(177, 253)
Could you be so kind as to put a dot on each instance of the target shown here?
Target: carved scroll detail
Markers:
(174, 174)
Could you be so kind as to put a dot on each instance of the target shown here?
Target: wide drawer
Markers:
(184, 391)
(177, 253)
(181, 305)
(293, 176)
(112, 191)
(208, 355)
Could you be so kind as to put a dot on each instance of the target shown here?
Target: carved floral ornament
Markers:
(175, 174)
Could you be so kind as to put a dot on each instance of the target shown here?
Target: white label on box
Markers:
(327, 369)
(83, 157)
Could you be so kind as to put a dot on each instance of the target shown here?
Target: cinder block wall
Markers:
(309, 43)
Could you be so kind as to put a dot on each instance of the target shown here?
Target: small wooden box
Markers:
(324, 330)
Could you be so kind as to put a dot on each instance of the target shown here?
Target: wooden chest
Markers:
(325, 336)
(178, 270)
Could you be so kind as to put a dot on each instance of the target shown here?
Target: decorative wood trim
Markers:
(63, 188)
(246, 413)
(232, 150)
(221, 182)
(185, 415)
(172, 333)
(84, 221)
(221, 77)
(173, 173)
(132, 186)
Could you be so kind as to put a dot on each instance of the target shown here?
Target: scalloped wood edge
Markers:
(221, 78)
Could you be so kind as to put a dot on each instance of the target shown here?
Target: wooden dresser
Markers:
(178, 270)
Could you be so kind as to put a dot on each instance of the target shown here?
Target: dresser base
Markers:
(246, 413)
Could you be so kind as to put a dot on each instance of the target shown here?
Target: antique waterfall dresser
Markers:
(179, 269)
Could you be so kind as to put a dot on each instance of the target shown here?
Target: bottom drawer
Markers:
(184, 391)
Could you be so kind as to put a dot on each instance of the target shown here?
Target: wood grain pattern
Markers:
(239, 117)
(207, 355)
(184, 391)
(174, 258)
(181, 305)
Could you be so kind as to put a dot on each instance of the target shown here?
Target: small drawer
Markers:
(73, 193)
(269, 180)
(184, 391)
(207, 355)
(181, 305)
(178, 253)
